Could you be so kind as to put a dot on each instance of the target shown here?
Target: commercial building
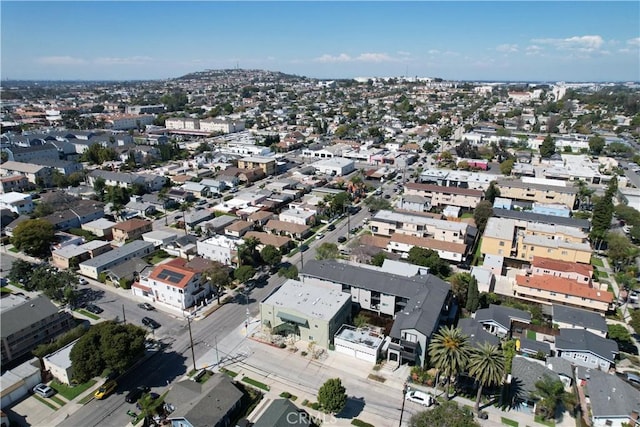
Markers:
(95, 266)
(310, 311)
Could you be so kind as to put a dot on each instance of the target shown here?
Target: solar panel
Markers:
(171, 276)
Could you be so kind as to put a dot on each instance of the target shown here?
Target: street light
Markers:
(404, 397)
(193, 353)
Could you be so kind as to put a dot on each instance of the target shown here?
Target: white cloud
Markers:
(433, 52)
(403, 53)
(374, 57)
(634, 42)
(363, 57)
(533, 50)
(133, 60)
(507, 48)
(589, 43)
(61, 60)
(326, 58)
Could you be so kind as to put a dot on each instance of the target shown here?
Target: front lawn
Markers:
(71, 392)
(597, 262)
(531, 334)
(89, 315)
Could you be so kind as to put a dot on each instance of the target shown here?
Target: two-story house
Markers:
(178, 284)
(131, 229)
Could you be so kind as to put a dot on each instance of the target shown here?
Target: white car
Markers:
(419, 397)
(44, 390)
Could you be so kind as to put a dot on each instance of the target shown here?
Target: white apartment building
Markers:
(18, 203)
(177, 285)
(297, 216)
(219, 248)
(387, 223)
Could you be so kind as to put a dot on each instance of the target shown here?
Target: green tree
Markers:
(619, 333)
(447, 414)
(548, 147)
(460, 286)
(34, 237)
(486, 365)
(244, 273)
(327, 250)
(482, 213)
(629, 215)
(219, 276)
(248, 251)
(377, 203)
(107, 345)
(378, 259)
(509, 351)
(445, 132)
(506, 166)
(99, 185)
(290, 272)
(603, 214)
(332, 395)
(596, 145)
(635, 321)
(429, 258)
(20, 270)
(552, 397)
(271, 255)
(620, 250)
(492, 192)
(449, 352)
(473, 296)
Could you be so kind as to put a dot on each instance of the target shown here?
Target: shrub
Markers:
(315, 406)
(285, 395)
(360, 423)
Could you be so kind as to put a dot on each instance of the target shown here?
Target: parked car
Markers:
(149, 322)
(135, 394)
(319, 236)
(146, 306)
(419, 397)
(152, 396)
(342, 239)
(82, 281)
(331, 227)
(304, 247)
(44, 390)
(92, 308)
(105, 389)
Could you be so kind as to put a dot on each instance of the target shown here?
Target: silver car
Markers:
(44, 390)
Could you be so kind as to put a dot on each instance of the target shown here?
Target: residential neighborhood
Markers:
(235, 240)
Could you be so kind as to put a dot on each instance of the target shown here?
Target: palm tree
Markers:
(552, 396)
(248, 251)
(449, 352)
(486, 365)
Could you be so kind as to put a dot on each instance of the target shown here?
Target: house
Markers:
(525, 373)
(477, 334)
(131, 229)
(612, 401)
(485, 278)
(414, 203)
(127, 272)
(533, 348)
(309, 311)
(283, 413)
(281, 242)
(177, 285)
(238, 228)
(298, 216)
(27, 323)
(18, 183)
(182, 246)
(498, 319)
(159, 237)
(557, 290)
(81, 213)
(215, 403)
(584, 348)
(94, 267)
(563, 368)
(58, 363)
(218, 224)
(18, 203)
(418, 304)
(402, 243)
(286, 228)
(17, 383)
(100, 227)
(574, 318)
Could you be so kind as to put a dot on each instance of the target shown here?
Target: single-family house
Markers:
(587, 349)
(499, 320)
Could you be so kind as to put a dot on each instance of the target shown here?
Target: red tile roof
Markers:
(558, 265)
(564, 286)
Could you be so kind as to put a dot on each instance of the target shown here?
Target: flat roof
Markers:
(360, 336)
(117, 253)
(390, 216)
(320, 302)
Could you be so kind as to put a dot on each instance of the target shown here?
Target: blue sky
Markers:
(570, 41)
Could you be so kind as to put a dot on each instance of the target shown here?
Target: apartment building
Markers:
(445, 196)
(580, 273)
(402, 243)
(35, 174)
(530, 190)
(387, 223)
(520, 242)
(266, 164)
(17, 183)
(223, 249)
(221, 125)
(27, 323)
(131, 229)
(559, 290)
(18, 203)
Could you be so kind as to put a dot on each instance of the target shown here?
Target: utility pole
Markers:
(246, 322)
(124, 318)
(193, 353)
(216, 345)
(404, 395)
(301, 260)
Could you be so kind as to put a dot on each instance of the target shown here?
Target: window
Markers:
(532, 248)
(549, 250)
(565, 252)
(501, 243)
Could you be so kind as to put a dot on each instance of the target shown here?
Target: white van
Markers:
(419, 397)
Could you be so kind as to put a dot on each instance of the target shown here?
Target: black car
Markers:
(342, 239)
(331, 227)
(135, 394)
(92, 308)
(149, 322)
